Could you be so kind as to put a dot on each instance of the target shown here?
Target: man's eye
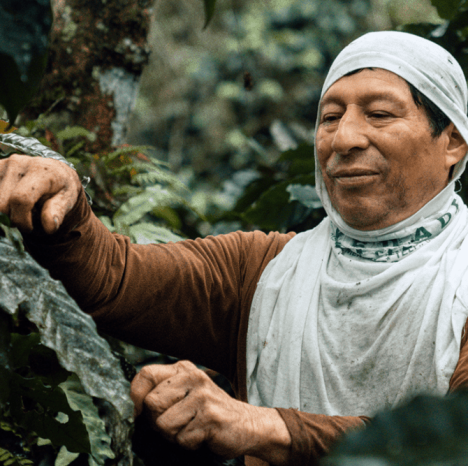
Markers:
(379, 115)
(330, 118)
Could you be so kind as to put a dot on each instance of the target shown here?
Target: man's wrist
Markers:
(271, 440)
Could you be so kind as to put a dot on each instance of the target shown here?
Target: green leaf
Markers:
(136, 207)
(447, 9)
(31, 146)
(252, 192)
(305, 194)
(35, 407)
(72, 335)
(209, 11)
(273, 211)
(71, 132)
(427, 431)
(64, 457)
(24, 28)
(302, 160)
(147, 233)
(79, 401)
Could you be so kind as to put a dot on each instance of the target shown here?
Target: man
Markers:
(316, 331)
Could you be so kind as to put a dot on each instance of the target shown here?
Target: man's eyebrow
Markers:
(373, 96)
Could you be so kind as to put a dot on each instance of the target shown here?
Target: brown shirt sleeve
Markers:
(183, 299)
(459, 378)
(189, 299)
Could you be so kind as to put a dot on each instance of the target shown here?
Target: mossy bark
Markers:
(97, 54)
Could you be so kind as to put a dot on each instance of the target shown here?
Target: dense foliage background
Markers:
(220, 138)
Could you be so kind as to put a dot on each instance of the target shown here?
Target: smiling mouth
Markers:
(354, 177)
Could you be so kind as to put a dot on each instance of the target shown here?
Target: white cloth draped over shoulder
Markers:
(347, 322)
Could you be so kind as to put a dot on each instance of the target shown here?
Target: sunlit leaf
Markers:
(305, 194)
(147, 233)
(5, 127)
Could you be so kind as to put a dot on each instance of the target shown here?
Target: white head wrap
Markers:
(333, 334)
(429, 68)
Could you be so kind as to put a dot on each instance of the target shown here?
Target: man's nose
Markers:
(350, 134)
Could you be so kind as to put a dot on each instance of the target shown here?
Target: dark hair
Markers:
(438, 120)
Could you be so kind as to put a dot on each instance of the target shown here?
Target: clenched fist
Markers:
(35, 184)
(187, 407)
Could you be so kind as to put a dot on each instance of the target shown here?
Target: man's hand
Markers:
(187, 407)
(35, 183)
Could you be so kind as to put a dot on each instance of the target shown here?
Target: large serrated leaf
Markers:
(24, 29)
(31, 146)
(28, 288)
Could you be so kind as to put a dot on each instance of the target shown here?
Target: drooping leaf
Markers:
(6, 128)
(78, 400)
(428, 431)
(36, 406)
(65, 457)
(305, 194)
(447, 9)
(209, 11)
(24, 28)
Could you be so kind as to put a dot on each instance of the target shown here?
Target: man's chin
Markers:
(365, 219)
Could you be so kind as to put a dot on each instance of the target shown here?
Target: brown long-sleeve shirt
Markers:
(189, 299)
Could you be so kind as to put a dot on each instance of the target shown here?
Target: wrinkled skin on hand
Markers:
(35, 184)
(188, 408)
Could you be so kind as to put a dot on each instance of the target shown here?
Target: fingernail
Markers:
(56, 223)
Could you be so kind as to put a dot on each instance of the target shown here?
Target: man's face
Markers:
(379, 161)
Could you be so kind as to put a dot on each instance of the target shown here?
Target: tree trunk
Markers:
(97, 53)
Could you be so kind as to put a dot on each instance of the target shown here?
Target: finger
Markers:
(191, 436)
(8, 180)
(176, 418)
(55, 209)
(166, 394)
(148, 378)
(22, 199)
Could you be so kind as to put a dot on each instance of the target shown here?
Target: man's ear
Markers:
(456, 146)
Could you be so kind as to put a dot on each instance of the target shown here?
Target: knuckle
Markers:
(21, 198)
(152, 403)
(162, 425)
(16, 158)
(146, 372)
(188, 443)
(186, 365)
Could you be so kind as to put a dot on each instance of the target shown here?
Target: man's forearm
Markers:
(271, 441)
